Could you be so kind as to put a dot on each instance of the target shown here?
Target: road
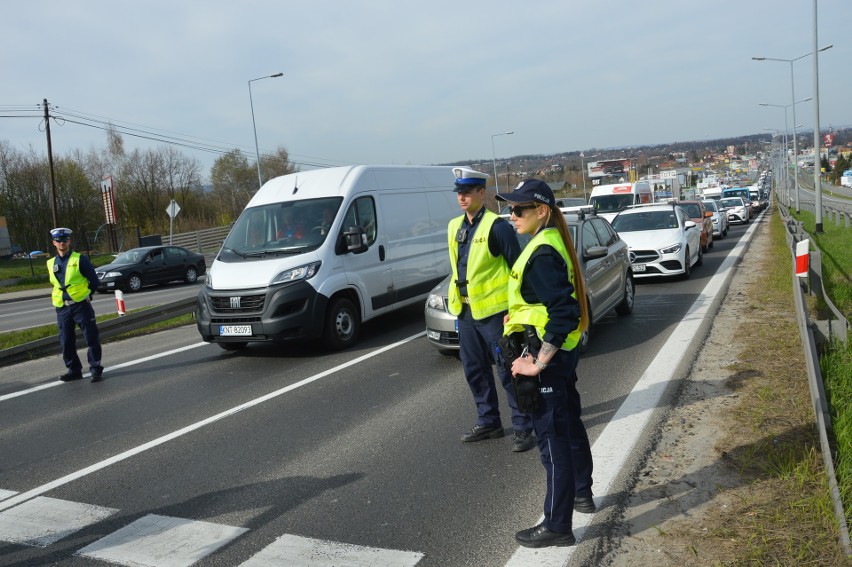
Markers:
(186, 454)
(38, 311)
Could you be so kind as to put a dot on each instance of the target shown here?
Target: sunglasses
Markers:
(61, 239)
(518, 210)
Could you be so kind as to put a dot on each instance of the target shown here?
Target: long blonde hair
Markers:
(555, 218)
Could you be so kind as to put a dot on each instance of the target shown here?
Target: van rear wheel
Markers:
(342, 324)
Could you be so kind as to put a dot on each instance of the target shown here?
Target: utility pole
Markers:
(50, 161)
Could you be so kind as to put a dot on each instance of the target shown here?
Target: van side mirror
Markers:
(355, 240)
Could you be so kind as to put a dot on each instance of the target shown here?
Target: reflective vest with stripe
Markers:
(535, 314)
(76, 283)
(487, 276)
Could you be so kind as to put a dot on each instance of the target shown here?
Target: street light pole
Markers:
(494, 158)
(254, 126)
(792, 100)
(795, 153)
(583, 172)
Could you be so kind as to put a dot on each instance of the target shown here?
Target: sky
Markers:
(402, 82)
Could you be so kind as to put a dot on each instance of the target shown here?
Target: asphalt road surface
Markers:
(291, 455)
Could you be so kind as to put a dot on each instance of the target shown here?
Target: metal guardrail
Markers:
(817, 388)
(110, 328)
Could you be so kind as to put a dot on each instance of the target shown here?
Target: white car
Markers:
(661, 238)
(738, 210)
(720, 218)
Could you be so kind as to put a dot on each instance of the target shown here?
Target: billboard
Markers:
(615, 168)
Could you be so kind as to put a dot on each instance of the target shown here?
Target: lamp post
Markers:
(793, 99)
(254, 126)
(795, 147)
(494, 158)
(583, 171)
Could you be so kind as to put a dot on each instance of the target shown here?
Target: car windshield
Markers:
(711, 206)
(732, 203)
(130, 257)
(611, 203)
(282, 228)
(645, 220)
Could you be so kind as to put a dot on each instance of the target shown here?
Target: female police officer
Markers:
(547, 293)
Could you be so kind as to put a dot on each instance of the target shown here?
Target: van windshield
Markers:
(611, 203)
(291, 227)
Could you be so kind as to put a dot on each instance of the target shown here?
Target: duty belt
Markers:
(69, 302)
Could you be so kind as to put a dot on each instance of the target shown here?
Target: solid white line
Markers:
(620, 437)
(109, 369)
(15, 500)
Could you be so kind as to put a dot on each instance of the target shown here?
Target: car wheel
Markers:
(687, 268)
(700, 260)
(134, 282)
(342, 324)
(232, 346)
(191, 275)
(626, 305)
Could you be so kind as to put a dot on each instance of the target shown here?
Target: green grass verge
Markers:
(836, 367)
(34, 276)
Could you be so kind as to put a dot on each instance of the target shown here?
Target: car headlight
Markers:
(435, 301)
(296, 274)
(673, 249)
(113, 275)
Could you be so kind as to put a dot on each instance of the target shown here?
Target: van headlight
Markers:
(305, 272)
(208, 280)
(674, 249)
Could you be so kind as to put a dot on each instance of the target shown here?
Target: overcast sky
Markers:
(399, 82)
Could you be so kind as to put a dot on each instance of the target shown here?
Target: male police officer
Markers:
(483, 247)
(74, 281)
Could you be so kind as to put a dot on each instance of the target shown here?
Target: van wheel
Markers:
(626, 305)
(342, 324)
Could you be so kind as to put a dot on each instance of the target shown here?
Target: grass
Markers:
(836, 366)
(780, 510)
(835, 242)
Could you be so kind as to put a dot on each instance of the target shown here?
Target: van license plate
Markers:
(638, 267)
(235, 330)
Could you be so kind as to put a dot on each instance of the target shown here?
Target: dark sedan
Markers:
(150, 265)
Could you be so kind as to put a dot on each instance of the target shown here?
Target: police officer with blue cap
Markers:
(482, 248)
(74, 281)
(547, 293)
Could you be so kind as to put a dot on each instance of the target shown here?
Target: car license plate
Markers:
(235, 330)
(638, 267)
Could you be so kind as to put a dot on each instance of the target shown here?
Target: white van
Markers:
(316, 253)
(609, 200)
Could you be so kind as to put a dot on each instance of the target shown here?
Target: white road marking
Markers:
(161, 541)
(106, 369)
(621, 435)
(23, 497)
(43, 521)
(6, 493)
(296, 551)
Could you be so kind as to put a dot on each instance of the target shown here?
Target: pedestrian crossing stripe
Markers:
(43, 521)
(296, 551)
(161, 541)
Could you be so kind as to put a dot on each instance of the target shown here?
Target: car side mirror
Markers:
(689, 224)
(708, 214)
(593, 252)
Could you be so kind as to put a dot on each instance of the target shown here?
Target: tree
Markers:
(234, 183)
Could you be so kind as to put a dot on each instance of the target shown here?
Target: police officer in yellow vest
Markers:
(547, 293)
(74, 281)
(482, 247)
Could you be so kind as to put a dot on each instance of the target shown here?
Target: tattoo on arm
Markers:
(547, 350)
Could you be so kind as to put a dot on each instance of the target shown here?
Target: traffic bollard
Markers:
(119, 302)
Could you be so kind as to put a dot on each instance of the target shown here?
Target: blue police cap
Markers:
(61, 234)
(530, 191)
(467, 179)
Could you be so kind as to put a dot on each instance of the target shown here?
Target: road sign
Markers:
(173, 209)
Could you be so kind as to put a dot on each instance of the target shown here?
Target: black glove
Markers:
(527, 393)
